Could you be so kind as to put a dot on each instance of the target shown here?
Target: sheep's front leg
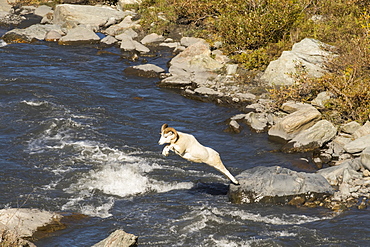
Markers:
(166, 150)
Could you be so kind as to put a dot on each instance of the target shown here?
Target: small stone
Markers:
(297, 201)
(366, 173)
(362, 205)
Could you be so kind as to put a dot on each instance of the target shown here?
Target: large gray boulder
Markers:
(126, 24)
(79, 35)
(277, 185)
(118, 238)
(358, 145)
(25, 222)
(289, 126)
(29, 34)
(335, 174)
(309, 54)
(193, 65)
(314, 137)
(72, 15)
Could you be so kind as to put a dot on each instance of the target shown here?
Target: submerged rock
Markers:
(278, 185)
(145, 70)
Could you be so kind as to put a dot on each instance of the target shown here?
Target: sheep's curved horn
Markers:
(164, 126)
(170, 129)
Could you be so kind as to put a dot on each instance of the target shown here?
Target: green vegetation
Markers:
(255, 32)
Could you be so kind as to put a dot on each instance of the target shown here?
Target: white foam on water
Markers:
(283, 219)
(34, 102)
(2, 43)
(281, 234)
(124, 179)
(110, 172)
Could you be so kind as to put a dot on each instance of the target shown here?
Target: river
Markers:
(79, 135)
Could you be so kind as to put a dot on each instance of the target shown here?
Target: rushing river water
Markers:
(79, 135)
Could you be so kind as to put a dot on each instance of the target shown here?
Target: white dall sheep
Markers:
(189, 148)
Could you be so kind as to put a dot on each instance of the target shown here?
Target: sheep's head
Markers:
(168, 135)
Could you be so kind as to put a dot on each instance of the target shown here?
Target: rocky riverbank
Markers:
(202, 72)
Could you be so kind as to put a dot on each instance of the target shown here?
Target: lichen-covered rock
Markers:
(308, 53)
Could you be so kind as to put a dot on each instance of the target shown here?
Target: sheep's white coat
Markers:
(188, 147)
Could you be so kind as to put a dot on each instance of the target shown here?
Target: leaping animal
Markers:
(188, 147)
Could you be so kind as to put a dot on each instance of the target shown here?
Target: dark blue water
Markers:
(79, 135)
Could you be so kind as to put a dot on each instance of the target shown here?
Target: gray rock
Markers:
(170, 44)
(257, 121)
(312, 138)
(123, 26)
(140, 47)
(235, 126)
(321, 99)
(338, 144)
(123, 3)
(358, 145)
(29, 34)
(5, 6)
(145, 70)
(152, 38)
(127, 43)
(289, 126)
(365, 158)
(176, 81)
(220, 57)
(246, 96)
(118, 238)
(109, 40)
(193, 65)
(350, 127)
(25, 222)
(277, 185)
(188, 41)
(130, 32)
(53, 35)
(292, 106)
(334, 174)
(43, 10)
(79, 35)
(71, 15)
(362, 131)
(207, 91)
(307, 54)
